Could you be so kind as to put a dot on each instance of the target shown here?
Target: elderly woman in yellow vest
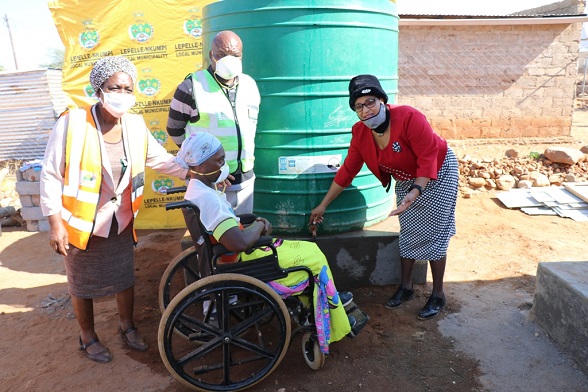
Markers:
(91, 188)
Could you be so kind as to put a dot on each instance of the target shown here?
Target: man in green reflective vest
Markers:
(223, 101)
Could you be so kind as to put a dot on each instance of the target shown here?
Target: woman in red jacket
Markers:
(396, 141)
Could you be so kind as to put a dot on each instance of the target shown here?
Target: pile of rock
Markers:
(28, 188)
(554, 167)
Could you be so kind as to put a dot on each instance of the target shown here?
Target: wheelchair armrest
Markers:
(179, 204)
(247, 219)
(264, 240)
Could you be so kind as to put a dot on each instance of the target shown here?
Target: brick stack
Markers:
(28, 188)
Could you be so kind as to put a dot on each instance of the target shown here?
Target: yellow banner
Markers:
(164, 41)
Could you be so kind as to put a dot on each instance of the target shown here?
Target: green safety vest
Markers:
(234, 128)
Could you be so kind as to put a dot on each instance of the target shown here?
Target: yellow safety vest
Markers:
(83, 171)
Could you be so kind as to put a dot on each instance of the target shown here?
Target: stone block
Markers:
(26, 201)
(32, 225)
(31, 175)
(36, 199)
(43, 225)
(360, 259)
(560, 306)
(31, 213)
(28, 187)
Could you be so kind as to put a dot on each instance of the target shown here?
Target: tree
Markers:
(56, 56)
(2, 68)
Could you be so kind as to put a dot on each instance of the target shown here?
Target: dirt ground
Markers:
(485, 340)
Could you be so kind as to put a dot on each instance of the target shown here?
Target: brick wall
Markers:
(491, 81)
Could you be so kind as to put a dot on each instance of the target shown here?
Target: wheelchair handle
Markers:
(180, 204)
(171, 191)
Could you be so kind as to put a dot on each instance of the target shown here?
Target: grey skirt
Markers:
(106, 268)
(428, 225)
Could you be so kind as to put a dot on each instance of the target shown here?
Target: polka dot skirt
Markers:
(429, 223)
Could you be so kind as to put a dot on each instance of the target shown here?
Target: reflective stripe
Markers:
(75, 141)
(76, 223)
(86, 197)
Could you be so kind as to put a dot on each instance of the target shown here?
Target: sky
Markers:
(34, 33)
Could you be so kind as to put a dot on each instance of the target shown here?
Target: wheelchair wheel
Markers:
(181, 271)
(240, 346)
(314, 357)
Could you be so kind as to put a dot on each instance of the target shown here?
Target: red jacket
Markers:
(414, 150)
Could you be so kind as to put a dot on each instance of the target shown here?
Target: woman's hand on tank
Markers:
(316, 215)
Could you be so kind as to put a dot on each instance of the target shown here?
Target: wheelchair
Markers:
(226, 329)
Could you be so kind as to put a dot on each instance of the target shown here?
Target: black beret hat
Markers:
(365, 85)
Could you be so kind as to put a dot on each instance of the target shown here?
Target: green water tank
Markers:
(302, 54)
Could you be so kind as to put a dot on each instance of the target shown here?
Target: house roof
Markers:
(464, 20)
(476, 8)
(457, 16)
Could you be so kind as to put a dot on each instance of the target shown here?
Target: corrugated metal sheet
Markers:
(30, 102)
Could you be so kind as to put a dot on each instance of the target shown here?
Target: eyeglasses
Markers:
(369, 103)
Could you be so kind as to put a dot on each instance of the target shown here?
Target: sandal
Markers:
(103, 356)
(138, 343)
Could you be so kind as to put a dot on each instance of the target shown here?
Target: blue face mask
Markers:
(377, 120)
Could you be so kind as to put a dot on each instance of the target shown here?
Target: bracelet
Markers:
(418, 187)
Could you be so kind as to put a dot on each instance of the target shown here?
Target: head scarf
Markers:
(108, 66)
(197, 148)
(365, 85)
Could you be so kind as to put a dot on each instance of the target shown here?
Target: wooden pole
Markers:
(11, 43)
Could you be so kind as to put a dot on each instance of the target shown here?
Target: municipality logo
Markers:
(149, 87)
(160, 185)
(193, 27)
(140, 31)
(159, 134)
(89, 92)
(89, 38)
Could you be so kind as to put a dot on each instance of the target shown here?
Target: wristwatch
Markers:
(415, 186)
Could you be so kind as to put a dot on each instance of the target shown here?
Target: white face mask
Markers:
(117, 104)
(224, 174)
(229, 67)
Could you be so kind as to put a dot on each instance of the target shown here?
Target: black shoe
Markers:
(432, 308)
(401, 295)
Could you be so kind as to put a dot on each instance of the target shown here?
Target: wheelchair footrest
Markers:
(357, 318)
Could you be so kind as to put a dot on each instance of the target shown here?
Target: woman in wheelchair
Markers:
(204, 156)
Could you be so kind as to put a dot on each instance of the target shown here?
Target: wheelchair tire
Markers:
(181, 271)
(314, 357)
(246, 341)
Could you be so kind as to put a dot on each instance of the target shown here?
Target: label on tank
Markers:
(309, 164)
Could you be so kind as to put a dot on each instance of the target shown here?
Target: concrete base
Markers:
(362, 258)
(561, 306)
